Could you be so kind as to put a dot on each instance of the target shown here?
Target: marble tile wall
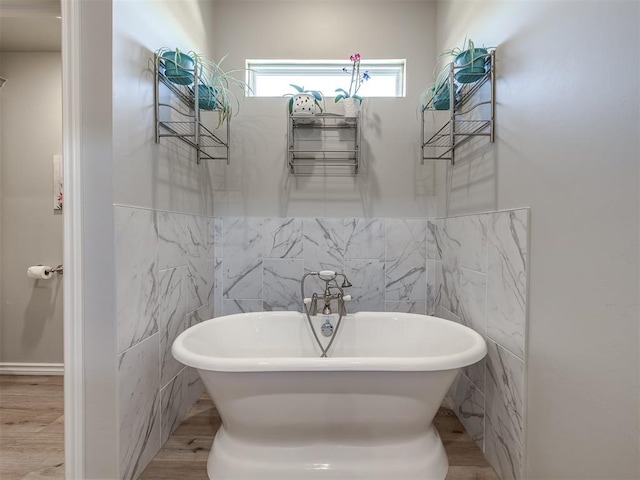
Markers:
(470, 269)
(260, 261)
(164, 276)
(480, 267)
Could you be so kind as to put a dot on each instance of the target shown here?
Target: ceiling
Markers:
(30, 26)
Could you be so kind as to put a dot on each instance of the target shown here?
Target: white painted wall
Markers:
(567, 145)
(123, 165)
(31, 311)
(391, 182)
(163, 176)
(100, 349)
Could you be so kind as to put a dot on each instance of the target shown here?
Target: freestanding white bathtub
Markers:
(363, 413)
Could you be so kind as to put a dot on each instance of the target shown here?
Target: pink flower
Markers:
(356, 78)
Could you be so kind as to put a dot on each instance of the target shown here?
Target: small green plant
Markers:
(436, 96)
(470, 61)
(178, 66)
(219, 83)
(215, 84)
(317, 96)
(467, 45)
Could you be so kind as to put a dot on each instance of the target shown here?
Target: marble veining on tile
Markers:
(197, 316)
(364, 238)
(216, 293)
(341, 244)
(324, 243)
(242, 278)
(368, 279)
(210, 287)
(242, 271)
(442, 312)
(174, 404)
(195, 236)
(231, 307)
(433, 292)
(195, 387)
(481, 282)
(476, 374)
(473, 249)
(136, 275)
(164, 274)
(139, 406)
(218, 237)
(172, 311)
(449, 240)
(209, 238)
(405, 307)
(473, 300)
(198, 283)
(405, 260)
(504, 411)
(507, 280)
(172, 240)
(282, 284)
(470, 408)
(433, 252)
(282, 238)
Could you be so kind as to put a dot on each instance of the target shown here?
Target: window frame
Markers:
(256, 68)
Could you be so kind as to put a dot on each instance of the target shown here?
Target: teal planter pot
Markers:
(178, 67)
(207, 97)
(441, 98)
(473, 65)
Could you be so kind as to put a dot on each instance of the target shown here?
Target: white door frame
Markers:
(74, 437)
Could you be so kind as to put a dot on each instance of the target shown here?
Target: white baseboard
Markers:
(31, 368)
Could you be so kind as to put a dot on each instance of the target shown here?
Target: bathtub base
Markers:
(421, 458)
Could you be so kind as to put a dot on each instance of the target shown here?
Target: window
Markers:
(272, 78)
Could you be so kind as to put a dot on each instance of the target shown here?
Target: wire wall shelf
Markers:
(182, 120)
(324, 144)
(460, 128)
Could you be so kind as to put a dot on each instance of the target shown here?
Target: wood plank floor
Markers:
(32, 437)
(184, 456)
(31, 427)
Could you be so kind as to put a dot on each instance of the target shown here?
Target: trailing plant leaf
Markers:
(316, 94)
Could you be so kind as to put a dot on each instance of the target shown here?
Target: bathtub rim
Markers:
(475, 353)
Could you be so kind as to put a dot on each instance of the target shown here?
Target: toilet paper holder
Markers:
(43, 272)
(57, 269)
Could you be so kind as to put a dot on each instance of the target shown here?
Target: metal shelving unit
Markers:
(323, 144)
(182, 120)
(460, 128)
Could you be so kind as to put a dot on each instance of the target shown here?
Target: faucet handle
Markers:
(326, 275)
(346, 298)
(313, 301)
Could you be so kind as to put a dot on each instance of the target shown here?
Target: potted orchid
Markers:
(350, 97)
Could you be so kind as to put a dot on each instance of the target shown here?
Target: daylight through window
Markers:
(272, 78)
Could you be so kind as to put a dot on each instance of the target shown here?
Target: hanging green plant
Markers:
(217, 87)
(437, 96)
(471, 63)
(177, 66)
